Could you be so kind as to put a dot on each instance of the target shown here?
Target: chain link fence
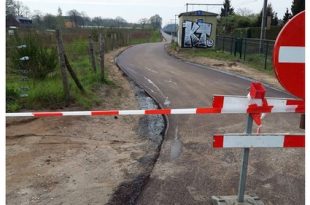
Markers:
(248, 49)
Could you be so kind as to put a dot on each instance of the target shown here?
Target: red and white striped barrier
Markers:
(221, 104)
(241, 104)
(266, 140)
(116, 112)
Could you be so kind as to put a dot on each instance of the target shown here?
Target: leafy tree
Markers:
(37, 19)
(16, 8)
(10, 7)
(120, 21)
(286, 16)
(50, 21)
(297, 6)
(275, 20)
(227, 10)
(74, 16)
(156, 21)
(60, 18)
(143, 21)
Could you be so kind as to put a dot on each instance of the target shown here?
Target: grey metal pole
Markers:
(263, 25)
(245, 159)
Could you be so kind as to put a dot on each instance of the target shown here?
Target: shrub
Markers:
(42, 60)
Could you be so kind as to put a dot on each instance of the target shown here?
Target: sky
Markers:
(133, 10)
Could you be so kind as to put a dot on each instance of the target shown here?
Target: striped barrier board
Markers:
(221, 104)
(265, 140)
(241, 104)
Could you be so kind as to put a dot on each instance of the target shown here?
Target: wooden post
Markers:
(101, 56)
(92, 53)
(73, 75)
(62, 64)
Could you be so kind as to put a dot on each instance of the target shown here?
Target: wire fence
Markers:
(248, 49)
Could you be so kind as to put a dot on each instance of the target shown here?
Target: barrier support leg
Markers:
(245, 159)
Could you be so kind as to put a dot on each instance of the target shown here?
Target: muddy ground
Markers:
(84, 160)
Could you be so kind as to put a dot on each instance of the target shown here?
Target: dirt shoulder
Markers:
(227, 66)
(79, 160)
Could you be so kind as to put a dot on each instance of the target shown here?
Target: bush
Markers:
(42, 60)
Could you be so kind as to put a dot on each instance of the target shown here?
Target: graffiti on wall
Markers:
(197, 34)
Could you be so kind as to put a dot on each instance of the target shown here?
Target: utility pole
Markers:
(263, 26)
(175, 24)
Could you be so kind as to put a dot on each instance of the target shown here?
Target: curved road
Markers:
(188, 170)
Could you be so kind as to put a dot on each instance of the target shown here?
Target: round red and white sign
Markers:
(289, 56)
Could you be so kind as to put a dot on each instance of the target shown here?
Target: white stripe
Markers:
(291, 54)
(239, 104)
(19, 114)
(240, 141)
(183, 111)
(76, 113)
(131, 112)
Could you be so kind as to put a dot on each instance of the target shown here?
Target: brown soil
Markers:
(76, 160)
(228, 66)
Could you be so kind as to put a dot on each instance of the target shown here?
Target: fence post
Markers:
(91, 53)
(223, 42)
(101, 56)
(231, 46)
(73, 75)
(266, 54)
(62, 63)
(244, 49)
(241, 46)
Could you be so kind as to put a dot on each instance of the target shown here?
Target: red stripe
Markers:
(206, 110)
(300, 105)
(259, 109)
(158, 112)
(294, 141)
(47, 114)
(218, 141)
(295, 102)
(110, 112)
(218, 101)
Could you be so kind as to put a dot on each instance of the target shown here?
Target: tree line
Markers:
(76, 18)
(242, 18)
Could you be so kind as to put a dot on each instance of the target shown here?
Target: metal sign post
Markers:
(245, 159)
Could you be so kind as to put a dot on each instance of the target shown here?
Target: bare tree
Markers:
(143, 21)
(244, 12)
(74, 15)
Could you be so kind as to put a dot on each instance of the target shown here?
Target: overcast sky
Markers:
(133, 10)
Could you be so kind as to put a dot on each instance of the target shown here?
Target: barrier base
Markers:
(232, 200)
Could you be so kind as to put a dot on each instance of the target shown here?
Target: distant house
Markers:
(69, 24)
(18, 21)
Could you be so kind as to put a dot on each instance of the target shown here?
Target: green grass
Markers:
(48, 93)
(152, 36)
(256, 61)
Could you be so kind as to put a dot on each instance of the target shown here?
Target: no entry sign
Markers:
(289, 56)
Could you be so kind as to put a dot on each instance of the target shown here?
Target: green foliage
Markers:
(227, 9)
(228, 24)
(297, 6)
(254, 32)
(46, 91)
(286, 16)
(42, 60)
(12, 97)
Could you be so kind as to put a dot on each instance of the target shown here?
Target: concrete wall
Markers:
(204, 35)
